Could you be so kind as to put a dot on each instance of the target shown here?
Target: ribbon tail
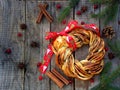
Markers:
(47, 59)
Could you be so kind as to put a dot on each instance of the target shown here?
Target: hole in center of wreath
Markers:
(82, 52)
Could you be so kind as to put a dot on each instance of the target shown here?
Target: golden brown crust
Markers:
(81, 69)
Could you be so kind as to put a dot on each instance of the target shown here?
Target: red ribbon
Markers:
(53, 35)
(69, 27)
(93, 27)
(71, 42)
(47, 58)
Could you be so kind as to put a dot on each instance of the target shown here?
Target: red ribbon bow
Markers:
(53, 35)
(69, 27)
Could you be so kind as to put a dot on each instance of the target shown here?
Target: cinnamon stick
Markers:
(58, 75)
(50, 19)
(41, 14)
(55, 79)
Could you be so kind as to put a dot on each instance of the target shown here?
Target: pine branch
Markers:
(106, 68)
(66, 11)
(103, 85)
(114, 46)
(103, 74)
(111, 45)
(105, 71)
(110, 87)
(110, 11)
(101, 14)
(100, 1)
(112, 76)
(73, 3)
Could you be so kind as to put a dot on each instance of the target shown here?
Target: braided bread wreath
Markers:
(71, 38)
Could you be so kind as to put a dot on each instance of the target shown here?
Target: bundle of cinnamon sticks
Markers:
(56, 77)
(44, 12)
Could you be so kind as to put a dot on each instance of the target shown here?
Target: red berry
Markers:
(8, 51)
(82, 23)
(58, 6)
(106, 49)
(40, 77)
(78, 12)
(119, 22)
(92, 80)
(19, 34)
(95, 6)
(39, 64)
(70, 81)
(64, 22)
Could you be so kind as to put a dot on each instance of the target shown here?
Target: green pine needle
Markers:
(105, 83)
(66, 11)
(110, 78)
(110, 87)
(99, 15)
(73, 3)
(105, 71)
(110, 11)
(106, 68)
(101, 1)
(114, 46)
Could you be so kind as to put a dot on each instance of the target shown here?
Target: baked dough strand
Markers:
(81, 69)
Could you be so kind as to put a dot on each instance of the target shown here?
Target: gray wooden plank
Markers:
(81, 53)
(11, 16)
(35, 32)
(57, 27)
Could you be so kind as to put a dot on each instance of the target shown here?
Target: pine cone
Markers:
(108, 32)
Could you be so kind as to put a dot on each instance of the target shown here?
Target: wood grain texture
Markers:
(12, 14)
(82, 53)
(57, 27)
(35, 32)
(15, 12)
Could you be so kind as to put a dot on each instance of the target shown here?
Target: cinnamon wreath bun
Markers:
(81, 69)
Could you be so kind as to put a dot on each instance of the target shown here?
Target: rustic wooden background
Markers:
(15, 12)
